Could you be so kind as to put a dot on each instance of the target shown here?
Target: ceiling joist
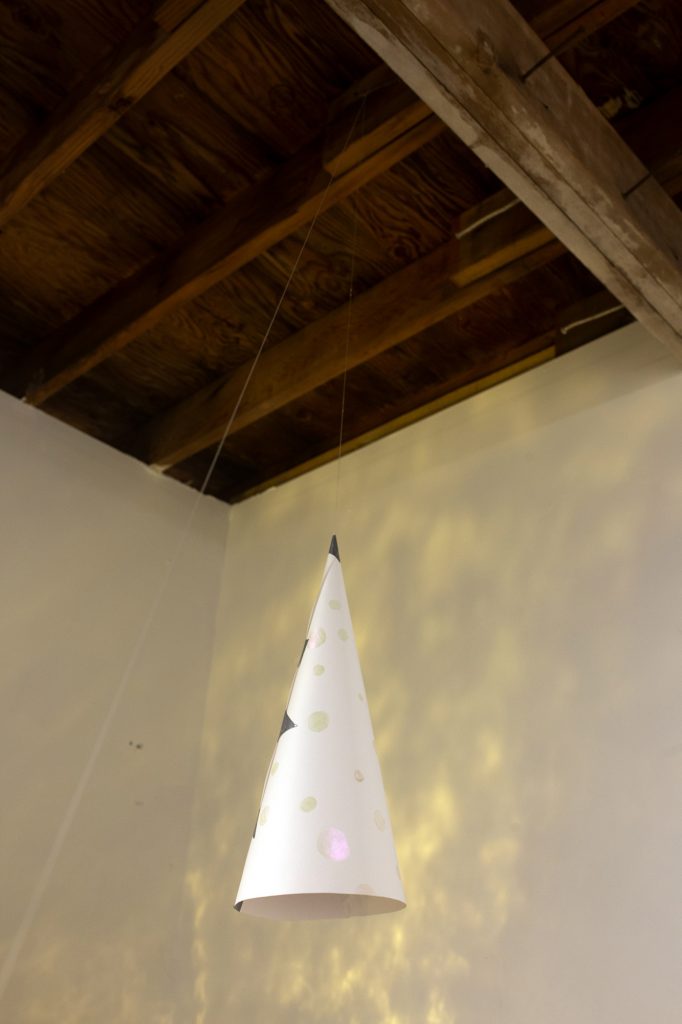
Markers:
(565, 24)
(575, 325)
(118, 82)
(239, 232)
(485, 72)
(448, 280)
(383, 128)
(497, 242)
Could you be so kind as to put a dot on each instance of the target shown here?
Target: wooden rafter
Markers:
(567, 23)
(487, 376)
(394, 123)
(242, 230)
(575, 325)
(103, 96)
(490, 77)
(450, 279)
(492, 235)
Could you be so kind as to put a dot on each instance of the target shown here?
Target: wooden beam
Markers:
(378, 125)
(494, 233)
(455, 276)
(366, 128)
(483, 71)
(154, 47)
(486, 378)
(567, 23)
(242, 230)
(651, 132)
(576, 325)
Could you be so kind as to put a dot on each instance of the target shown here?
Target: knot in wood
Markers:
(484, 54)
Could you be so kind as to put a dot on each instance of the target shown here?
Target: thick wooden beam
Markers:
(116, 83)
(455, 276)
(489, 76)
(242, 230)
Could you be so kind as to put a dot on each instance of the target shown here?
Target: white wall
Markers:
(514, 568)
(85, 535)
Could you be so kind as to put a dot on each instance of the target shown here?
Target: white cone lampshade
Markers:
(323, 845)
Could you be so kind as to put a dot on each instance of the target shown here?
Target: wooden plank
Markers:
(365, 128)
(378, 132)
(651, 133)
(497, 231)
(486, 379)
(483, 71)
(455, 276)
(562, 26)
(576, 325)
(567, 23)
(103, 96)
(256, 220)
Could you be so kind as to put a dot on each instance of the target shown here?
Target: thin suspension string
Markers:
(35, 901)
(344, 384)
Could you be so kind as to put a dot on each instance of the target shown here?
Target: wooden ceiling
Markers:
(163, 165)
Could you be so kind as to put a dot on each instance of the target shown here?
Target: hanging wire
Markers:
(35, 901)
(351, 284)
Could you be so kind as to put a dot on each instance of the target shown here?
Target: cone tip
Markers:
(334, 548)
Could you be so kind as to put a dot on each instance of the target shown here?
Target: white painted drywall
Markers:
(514, 568)
(85, 536)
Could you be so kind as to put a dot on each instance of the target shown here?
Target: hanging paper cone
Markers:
(323, 845)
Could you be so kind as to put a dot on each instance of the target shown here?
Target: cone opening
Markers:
(315, 906)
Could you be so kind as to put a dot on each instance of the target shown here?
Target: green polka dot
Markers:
(273, 770)
(319, 670)
(336, 605)
(343, 634)
(318, 637)
(264, 815)
(309, 803)
(318, 721)
(359, 777)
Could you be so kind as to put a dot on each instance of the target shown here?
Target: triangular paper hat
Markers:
(323, 845)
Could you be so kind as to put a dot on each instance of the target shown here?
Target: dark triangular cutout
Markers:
(286, 724)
